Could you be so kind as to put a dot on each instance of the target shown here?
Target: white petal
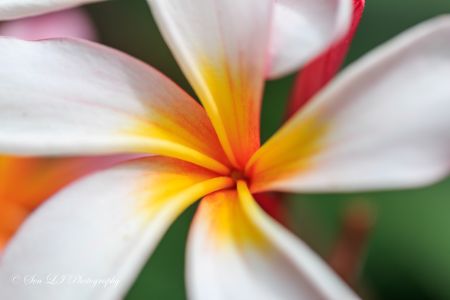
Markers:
(12, 9)
(302, 29)
(236, 251)
(382, 124)
(103, 227)
(222, 45)
(72, 97)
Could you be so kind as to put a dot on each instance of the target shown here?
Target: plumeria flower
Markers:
(369, 129)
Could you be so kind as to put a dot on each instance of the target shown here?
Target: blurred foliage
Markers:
(409, 252)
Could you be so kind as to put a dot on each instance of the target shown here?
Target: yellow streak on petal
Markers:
(160, 142)
(209, 98)
(289, 152)
(168, 182)
(180, 197)
(229, 223)
(233, 104)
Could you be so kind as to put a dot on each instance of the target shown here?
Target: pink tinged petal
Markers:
(102, 227)
(69, 97)
(303, 29)
(236, 251)
(67, 23)
(382, 124)
(14, 9)
(274, 205)
(322, 69)
(222, 47)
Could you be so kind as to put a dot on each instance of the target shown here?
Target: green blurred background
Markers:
(408, 254)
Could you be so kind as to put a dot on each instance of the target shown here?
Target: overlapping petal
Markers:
(316, 74)
(274, 206)
(12, 9)
(236, 251)
(67, 23)
(72, 97)
(26, 182)
(222, 48)
(102, 228)
(383, 124)
(303, 29)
